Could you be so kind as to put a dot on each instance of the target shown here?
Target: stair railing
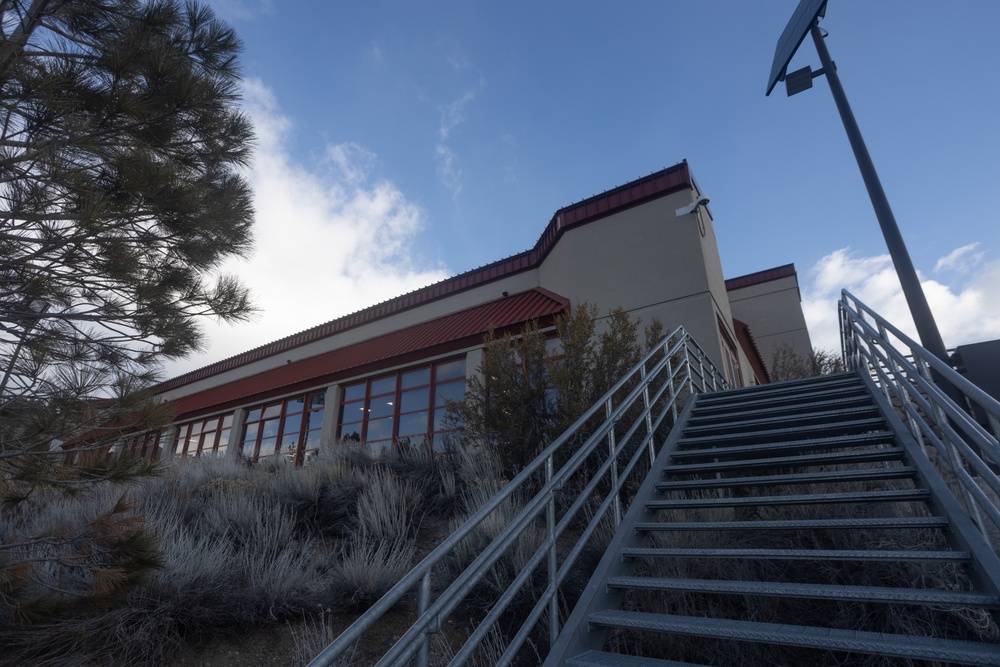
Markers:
(637, 412)
(966, 448)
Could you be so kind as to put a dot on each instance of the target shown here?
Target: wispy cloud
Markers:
(236, 10)
(961, 260)
(966, 312)
(331, 239)
(453, 115)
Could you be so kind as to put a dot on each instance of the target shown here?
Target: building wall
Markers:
(651, 263)
(773, 309)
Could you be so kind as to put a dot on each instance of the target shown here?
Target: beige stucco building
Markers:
(385, 372)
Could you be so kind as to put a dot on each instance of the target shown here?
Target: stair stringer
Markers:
(963, 533)
(577, 636)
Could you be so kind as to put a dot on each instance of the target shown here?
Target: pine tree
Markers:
(121, 149)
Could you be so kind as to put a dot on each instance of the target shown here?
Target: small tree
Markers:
(121, 145)
(787, 364)
(525, 396)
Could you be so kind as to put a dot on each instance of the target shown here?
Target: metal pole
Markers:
(927, 329)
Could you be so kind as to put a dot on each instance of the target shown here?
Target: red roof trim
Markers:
(451, 332)
(749, 345)
(765, 276)
(658, 184)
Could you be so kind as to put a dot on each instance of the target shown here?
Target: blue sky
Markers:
(403, 142)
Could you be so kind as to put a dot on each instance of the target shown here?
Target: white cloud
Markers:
(965, 313)
(330, 239)
(961, 260)
(452, 115)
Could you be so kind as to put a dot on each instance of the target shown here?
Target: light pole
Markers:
(806, 19)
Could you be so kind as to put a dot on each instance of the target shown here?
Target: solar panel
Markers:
(792, 36)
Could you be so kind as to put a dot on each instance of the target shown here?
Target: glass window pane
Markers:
(290, 445)
(379, 429)
(414, 423)
(224, 439)
(313, 439)
(221, 451)
(252, 416)
(269, 428)
(384, 385)
(317, 401)
(553, 347)
(439, 419)
(272, 411)
(314, 420)
(267, 447)
(179, 447)
(350, 432)
(381, 407)
(293, 424)
(251, 433)
(444, 442)
(294, 405)
(196, 427)
(450, 391)
(227, 421)
(416, 378)
(450, 370)
(248, 448)
(354, 392)
(415, 399)
(211, 424)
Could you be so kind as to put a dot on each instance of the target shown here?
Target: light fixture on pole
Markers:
(804, 21)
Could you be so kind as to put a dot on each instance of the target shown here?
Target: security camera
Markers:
(691, 208)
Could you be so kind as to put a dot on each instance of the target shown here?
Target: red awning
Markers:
(455, 330)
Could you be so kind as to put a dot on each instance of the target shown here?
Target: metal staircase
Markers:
(850, 519)
(771, 479)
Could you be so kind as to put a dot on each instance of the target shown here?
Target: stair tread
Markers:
(827, 417)
(799, 554)
(797, 524)
(870, 424)
(833, 442)
(889, 495)
(868, 474)
(852, 456)
(604, 659)
(813, 591)
(905, 646)
(729, 411)
(825, 382)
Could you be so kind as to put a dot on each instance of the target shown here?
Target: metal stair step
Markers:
(798, 432)
(800, 554)
(825, 417)
(888, 496)
(798, 524)
(811, 591)
(707, 406)
(860, 399)
(793, 387)
(868, 474)
(904, 646)
(603, 659)
(852, 456)
(794, 446)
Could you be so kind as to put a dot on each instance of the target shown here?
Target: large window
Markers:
(292, 427)
(408, 405)
(732, 360)
(205, 436)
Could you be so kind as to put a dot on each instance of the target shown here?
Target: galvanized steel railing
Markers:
(606, 468)
(966, 448)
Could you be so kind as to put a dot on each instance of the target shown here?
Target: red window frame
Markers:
(408, 406)
(210, 435)
(292, 427)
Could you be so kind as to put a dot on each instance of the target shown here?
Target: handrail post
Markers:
(423, 603)
(550, 520)
(612, 446)
(649, 418)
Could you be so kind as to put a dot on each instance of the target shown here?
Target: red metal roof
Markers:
(767, 275)
(437, 336)
(658, 184)
(749, 345)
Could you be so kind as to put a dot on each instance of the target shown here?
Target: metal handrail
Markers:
(968, 449)
(673, 369)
